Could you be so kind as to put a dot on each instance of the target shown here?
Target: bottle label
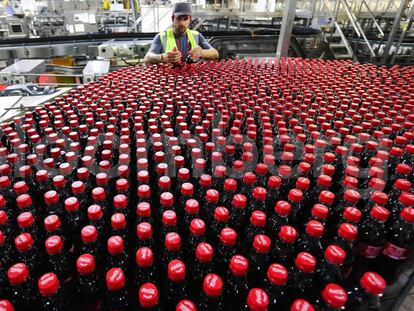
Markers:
(395, 252)
(368, 251)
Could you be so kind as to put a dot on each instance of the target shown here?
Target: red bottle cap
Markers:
(204, 252)
(288, 234)
(261, 243)
(115, 245)
(23, 242)
(239, 265)
(303, 183)
(376, 184)
(52, 223)
(197, 227)
(352, 196)
(144, 231)
(326, 197)
(212, 285)
(212, 196)
(94, 212)
(17, 274)
(118, 221)
(407, 199)
(48, 284)
(249, 178)
(176, 270)
(379, 197)
(350, 182)
(274, 182)
(54, 245)
(239, 201)
(335, 254)
(301, 305)
(148, 295)
(172, 241)
(348, 232)
(206, 180)
(283, 208)
(89, 234)
(71, 204)
(352, 214)
(169, 218)
(379, 213)
(320, 211)
(167, 199)
(334, 296)
(187, 189)
(295, 195)
(115, 279)
(401, 184)
(261, 169)
(85, 264)
(228, 237)
(186, 305)
(120, 201)
(98, 194)
(305, 262)
(277, 274)
(403, 169)
(258, 218)
(6, 305)
(407, 214)
(285, 171)
(315, 228)
(230, 184)
(20, 187)
(144, 257)
(257, 300)
(373, 283)
(259, 193)
(221, 214)
(51, 197)
(164, 182)
(324, 180)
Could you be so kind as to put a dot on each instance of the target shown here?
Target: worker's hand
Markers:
(172, 57)
(196, 53)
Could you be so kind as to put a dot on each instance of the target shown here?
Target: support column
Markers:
(286, 29)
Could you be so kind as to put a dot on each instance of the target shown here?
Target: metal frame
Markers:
(289, 14)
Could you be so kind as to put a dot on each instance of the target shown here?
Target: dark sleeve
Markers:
(156, 46)
(203, 43)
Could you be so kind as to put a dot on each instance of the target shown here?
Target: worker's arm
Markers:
(152, 58)
(211, 53)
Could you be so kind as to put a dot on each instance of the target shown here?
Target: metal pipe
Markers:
(373, 18)
(286, 29)
(409, 23)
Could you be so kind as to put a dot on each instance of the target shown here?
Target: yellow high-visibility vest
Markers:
(169, 44)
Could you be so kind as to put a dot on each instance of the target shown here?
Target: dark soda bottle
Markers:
(257, 226)
(26, 223)
(121, 205)
(96, 219)
(259, 257)
(275, 286)
(6, 224)
(310, 241)
(205, 183)
(366, 295)
(172, 244)
(196, 233)
(350, 198)
(329, 267)
(73, 216)
(295, 197)
(27, 252)
(116, 296)
(90, 241)
(203, 264)
(143, 213)
(227, 247)
(273, 186)
(211, 200)
(351, 215)
(279, 217)
(302, 273)
(7, 253)
(399, 245)
(119, 227)
(284, 248)
(258, 202)
(117, 257)
(238, 211)
(148, 297)
(167, 202)
(230, 187)
(175, 286)
(257, 300)
(211, 296)
(52, 294)
(346, 238)
(372, 236)
(144, 268)
(248, 184)
(237, 285)
(21, 290)
(89, 285)
(144, 235)
(169, 223)
(58, 259)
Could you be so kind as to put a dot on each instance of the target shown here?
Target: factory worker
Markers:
(179, 44)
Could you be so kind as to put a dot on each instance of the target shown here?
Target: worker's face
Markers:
(181, 23)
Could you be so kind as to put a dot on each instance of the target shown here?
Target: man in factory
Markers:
(179, 44)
